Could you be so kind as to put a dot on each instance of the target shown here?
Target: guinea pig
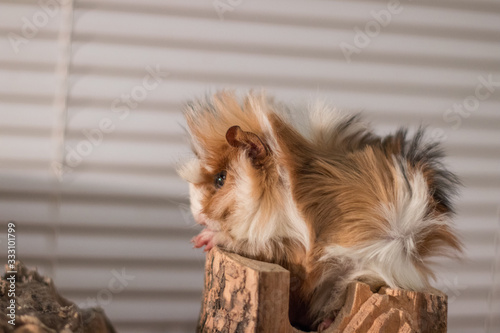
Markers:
(320, 195)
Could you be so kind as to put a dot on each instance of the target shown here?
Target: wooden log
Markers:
(244, 295)
(40, 309)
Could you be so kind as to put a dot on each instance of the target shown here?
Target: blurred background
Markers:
(91, 129)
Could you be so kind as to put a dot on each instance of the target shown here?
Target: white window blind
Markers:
(90, 128)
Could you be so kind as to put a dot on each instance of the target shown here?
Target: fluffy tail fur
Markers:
(413, 217)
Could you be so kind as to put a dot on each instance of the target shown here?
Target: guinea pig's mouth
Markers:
(204, 238)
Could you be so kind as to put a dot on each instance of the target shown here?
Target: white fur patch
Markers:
(195, 196)
(262, 111)
(263, 217)
(323, 121)
(191, 171)
(393, 257)
(322, 125)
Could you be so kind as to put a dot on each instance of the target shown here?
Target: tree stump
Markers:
(244, 295)
(40, 309)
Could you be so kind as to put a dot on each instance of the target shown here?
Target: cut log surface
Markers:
(244, 295)
(40, 308)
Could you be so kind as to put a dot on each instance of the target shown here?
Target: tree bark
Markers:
(40, 309)
(244, 295)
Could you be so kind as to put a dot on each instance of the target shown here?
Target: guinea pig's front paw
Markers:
(325, 324)
(204, 238)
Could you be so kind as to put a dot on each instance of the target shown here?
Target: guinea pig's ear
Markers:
(248, 141)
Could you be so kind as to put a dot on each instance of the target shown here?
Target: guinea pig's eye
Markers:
(220, 178)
